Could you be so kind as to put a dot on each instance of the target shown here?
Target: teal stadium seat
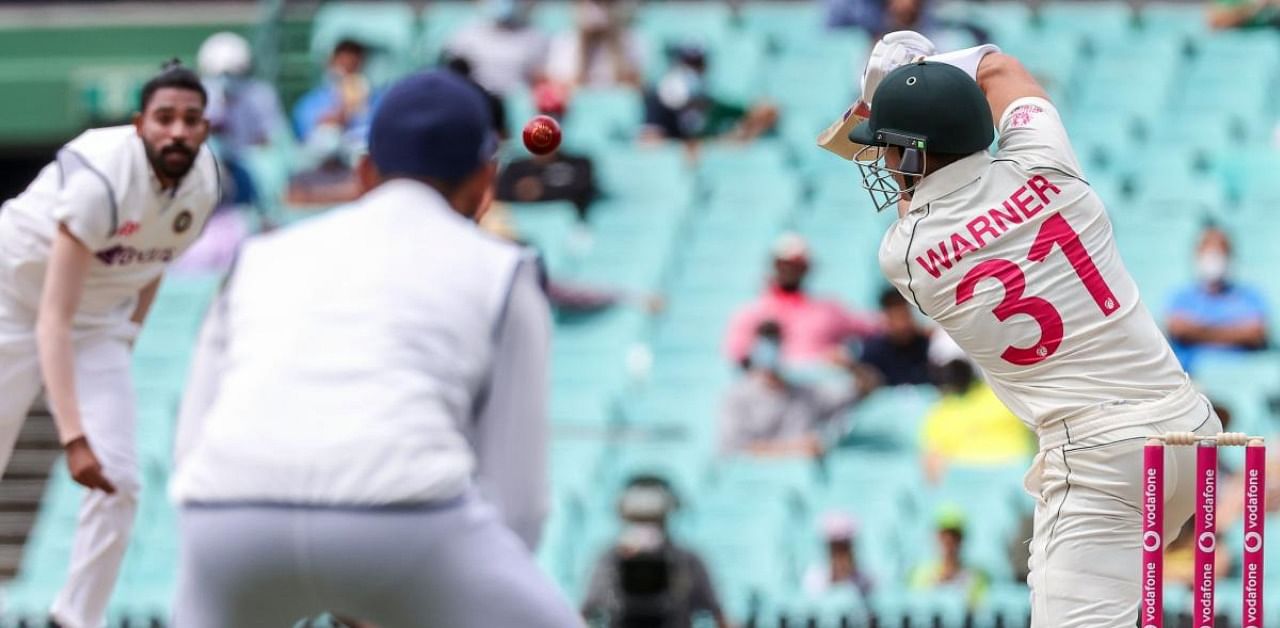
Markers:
(675, 23)
(734, 68)
(784, 25)
(656, 174)
(601, 114)
(1173, 18)
(1053, 58)
(823, 90)
(439, 22)
(387, 27)
(554, 16)
(1005, 21)
(1093, 22)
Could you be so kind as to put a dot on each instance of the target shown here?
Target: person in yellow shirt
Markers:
(969, 425)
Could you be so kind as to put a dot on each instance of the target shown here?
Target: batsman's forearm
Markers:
(1004, 79)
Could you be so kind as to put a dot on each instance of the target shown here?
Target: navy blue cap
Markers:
(432, 124)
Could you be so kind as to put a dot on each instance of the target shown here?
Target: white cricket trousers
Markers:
(1086, 553)
(417, 566)
(105, 392)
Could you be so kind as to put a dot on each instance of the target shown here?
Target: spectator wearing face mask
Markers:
(602, 52)
(243, 112)
(814, 329)
(765, 413)
(504, 50)
(1216, 314)
(679, 106)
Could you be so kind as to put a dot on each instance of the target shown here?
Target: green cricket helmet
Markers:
(923, 107)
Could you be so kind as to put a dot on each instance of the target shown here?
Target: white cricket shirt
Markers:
(388, 352)
(102, 187)
(1013, 255)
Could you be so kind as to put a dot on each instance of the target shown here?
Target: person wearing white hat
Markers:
(244, 112)
(840, 533)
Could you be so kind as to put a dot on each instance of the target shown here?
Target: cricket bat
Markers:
(836, 137)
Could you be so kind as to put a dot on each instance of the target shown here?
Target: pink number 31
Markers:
(1055, 231)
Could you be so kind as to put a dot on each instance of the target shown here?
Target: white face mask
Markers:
(593, 17)
(1211, 266)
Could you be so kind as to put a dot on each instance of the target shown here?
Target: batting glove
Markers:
(893, 51)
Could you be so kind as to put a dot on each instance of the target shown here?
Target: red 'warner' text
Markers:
(984, 228)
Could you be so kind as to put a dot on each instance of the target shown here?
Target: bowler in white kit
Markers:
(365, 429)
(81, 255)
(1013, 255)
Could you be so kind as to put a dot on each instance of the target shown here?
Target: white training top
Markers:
(384, 353)
(1013, 256)
(103, 188)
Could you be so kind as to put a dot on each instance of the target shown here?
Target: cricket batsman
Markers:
(1012, 254)
(81, 255)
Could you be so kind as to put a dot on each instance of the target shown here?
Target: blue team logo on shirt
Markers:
(120, 255)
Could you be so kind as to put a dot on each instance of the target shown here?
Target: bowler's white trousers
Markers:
(105, 392)
(1086, 553)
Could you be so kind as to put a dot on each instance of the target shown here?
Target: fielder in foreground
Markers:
(365, 428)
(1013, 255)
(81, 255)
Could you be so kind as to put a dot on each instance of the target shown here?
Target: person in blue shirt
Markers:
(243, 112)
(342, 99)
(1215, 313)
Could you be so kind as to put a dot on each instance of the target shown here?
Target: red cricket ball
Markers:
(542, 135)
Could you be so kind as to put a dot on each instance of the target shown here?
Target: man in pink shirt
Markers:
(813, 329)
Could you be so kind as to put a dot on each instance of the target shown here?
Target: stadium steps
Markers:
(23, 487)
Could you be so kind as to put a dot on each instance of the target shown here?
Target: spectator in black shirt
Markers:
(901, 352)
(558, 176)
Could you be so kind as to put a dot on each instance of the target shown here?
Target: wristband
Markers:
(967, 59)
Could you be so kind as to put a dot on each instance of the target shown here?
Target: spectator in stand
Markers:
(243, 112)
(969, 425)
(1225, 14)
(342, 102)
(646, 579)
(1216, 314)
(814, 329)
(877, 17)
(602, 52)
(558, 176)
(949, 571)
(901, 352)
(462, 67)
(332, 121)
(679, 107)
(765, 413)
(840, 569)
(504, 50)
